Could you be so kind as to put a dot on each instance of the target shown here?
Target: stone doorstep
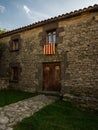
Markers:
(52, 94)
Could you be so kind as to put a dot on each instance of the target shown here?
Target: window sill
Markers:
(13, 81)
(14, 50)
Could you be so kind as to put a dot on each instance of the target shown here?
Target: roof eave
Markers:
(60, 17)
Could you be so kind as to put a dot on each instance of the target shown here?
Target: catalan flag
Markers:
(49, 49)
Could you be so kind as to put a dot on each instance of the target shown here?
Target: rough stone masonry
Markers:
(76, 50)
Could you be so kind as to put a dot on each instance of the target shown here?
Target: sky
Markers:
(19, 13)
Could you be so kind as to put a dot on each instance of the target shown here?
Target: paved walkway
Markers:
(13, 113)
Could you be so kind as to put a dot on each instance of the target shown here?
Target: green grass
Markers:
(12, 96)
(60, 116)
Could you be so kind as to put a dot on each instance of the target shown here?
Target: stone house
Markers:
(59, 54)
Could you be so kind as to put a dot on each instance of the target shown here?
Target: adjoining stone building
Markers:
(59, 54)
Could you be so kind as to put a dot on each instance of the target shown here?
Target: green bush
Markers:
(3, 31)
(2, 48)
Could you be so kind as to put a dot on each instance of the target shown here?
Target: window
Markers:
(49, 46)
(14, 72)
(51, 37)
(15, 43)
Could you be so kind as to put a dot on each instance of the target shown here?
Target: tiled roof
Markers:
(60, 17)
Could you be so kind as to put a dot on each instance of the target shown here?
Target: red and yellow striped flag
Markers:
(49, 49)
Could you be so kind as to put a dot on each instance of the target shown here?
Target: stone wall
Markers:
(4, 83)
(80, 42)
(84, 102)
(76, 50)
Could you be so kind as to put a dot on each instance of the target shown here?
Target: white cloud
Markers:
(27, 10)
(34, 15)
(2, 8)
(56, 7)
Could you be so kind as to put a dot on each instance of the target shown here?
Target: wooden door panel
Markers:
(51, 76)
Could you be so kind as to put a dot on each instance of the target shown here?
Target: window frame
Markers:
(15, 43)
(14, 72)
(51, 37)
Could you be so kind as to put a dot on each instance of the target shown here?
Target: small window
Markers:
(14, 73)
(51, 37)
(15, 43)
(15, 70)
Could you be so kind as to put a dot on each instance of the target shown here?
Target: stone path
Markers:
(13, 113)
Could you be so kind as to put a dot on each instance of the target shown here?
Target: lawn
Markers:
(60, 116)
(12, 96)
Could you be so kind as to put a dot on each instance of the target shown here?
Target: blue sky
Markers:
(18, 13)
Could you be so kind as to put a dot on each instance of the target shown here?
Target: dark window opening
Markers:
(14, 73)
(15, 43)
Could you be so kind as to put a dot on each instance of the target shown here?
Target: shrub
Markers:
(2, 48)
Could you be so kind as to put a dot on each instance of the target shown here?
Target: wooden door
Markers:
(51, 76)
